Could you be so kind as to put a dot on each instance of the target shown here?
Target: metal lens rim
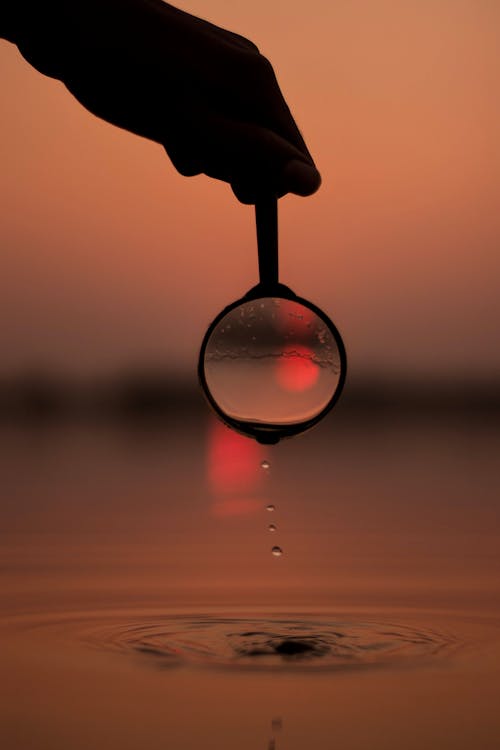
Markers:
(272, 433)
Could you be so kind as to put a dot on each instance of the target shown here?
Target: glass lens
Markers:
(272, 361)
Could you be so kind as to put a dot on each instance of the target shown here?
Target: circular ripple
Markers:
(270, 643)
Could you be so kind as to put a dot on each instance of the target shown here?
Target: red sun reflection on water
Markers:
(295, 370)
(233, 471)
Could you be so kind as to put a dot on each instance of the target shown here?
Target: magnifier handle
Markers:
(266, 218)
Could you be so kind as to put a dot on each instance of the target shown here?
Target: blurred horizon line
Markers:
(153, 395)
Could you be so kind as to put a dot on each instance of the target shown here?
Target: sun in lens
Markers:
(296, 370)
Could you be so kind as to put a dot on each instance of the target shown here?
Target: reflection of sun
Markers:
(233, 460)
(233, 471)
(295, 370)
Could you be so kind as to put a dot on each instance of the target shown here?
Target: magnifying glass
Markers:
(271, 364)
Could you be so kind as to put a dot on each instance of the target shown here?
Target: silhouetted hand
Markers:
(206, 94)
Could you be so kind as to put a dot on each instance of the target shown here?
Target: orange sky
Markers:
(111, 259)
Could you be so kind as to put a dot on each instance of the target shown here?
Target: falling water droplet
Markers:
(272, 527)
(265, 465)
(277, 551)
(277, 724)
(270, 508)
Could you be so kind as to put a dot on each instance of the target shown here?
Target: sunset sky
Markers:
(111, 260)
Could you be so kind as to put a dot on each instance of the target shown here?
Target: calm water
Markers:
(142, 608)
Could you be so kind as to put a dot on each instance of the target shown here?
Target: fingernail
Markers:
(301, 178)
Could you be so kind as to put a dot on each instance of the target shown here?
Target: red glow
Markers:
(233, 460)
(295, 370)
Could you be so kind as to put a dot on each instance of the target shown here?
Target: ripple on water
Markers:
(270, 643)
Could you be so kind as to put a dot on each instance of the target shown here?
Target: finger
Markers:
(257, 97)
(278, 116)
(254, 160)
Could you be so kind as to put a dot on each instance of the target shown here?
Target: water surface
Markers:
(141, 605)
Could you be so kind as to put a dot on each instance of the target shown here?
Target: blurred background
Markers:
(113, 264)
(121, 494)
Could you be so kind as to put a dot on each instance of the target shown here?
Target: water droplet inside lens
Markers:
(277, 551)
(265, 465)
(272, 527)
(270, 508)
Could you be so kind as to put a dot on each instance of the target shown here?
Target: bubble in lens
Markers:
(272, 361)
